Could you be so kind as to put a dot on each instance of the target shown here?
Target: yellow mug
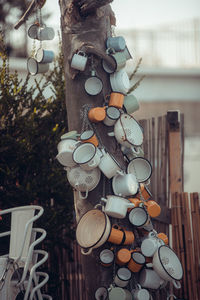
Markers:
(163, 237)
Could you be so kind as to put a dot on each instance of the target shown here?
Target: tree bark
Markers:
(88, 27)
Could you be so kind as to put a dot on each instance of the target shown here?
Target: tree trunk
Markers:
(88, 27)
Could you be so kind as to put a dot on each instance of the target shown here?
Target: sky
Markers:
(142, 13)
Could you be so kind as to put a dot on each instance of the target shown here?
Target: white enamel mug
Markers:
(122, 277)
(118, 293)
(32, 31)
(119, 59)
(44, 56)
(140, 294)
(112, 115)
(93, 85)
(101, 293)
(118, 43)
(106, 257)
(45, 33)
(35, 68)
(139, 217)
(65, 152)
(108, 165)
(150, 245)
(124, 184)
(116, 207)
(79, 61)
(120, 81)
(131, 104)
(150, 279)
(87, 156)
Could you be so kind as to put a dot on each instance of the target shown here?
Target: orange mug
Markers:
(135, 201)
(97, 114)
(163, 237)
(153, 208)
(89, 136)
(137, 261)
(116, 235)
(146, 194)
(123, 256)
(116, 99)
(128, 238)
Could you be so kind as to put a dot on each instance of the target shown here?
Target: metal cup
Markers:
(44, 56)
(35, 68)
(45, 33)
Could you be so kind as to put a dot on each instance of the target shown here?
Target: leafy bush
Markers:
(30, 129)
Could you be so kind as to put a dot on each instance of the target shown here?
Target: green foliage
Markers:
(30, 129)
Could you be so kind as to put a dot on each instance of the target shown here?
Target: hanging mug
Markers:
(45, 33)
(118, 43)
(44, 56)
(116, 100)
(137, 261)
(79, 61)
(131, 104)
(120, 82)
(119, 60)
(32, 31)
(140, 293)
(112, 115)
(93, 85)
(116, 235)
(139, 217)
(123, 256)
(89, 136)
(101, 293)
(106, 257)
(144, 193)
(97, 114)
(118, 293)
(87, 156)
(122, 277)
(153, 208)
(35, 68)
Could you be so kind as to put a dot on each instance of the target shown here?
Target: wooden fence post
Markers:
(175, 152)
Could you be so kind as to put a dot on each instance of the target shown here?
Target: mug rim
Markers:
(99, 80)
(137, 251)
(110, 117)
(132, 213)
(122, 278)
(84, 145)
(85, 139)
(144, 159)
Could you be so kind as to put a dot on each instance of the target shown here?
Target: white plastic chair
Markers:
(22, 254)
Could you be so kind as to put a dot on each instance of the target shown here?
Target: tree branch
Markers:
(87, 7)
(28, 12)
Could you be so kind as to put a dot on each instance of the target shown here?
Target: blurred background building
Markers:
(166, 35)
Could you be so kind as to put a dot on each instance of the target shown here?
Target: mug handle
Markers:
(81, 195)
(86, 252)
(111, 133)
(130, 205)
(149, 265)
(104, 199)
(176, 284)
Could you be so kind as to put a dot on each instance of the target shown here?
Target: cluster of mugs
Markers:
(119, 80)
(40, 63)
(84, 158)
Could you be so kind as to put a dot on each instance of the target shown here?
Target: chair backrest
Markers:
(22, 219)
